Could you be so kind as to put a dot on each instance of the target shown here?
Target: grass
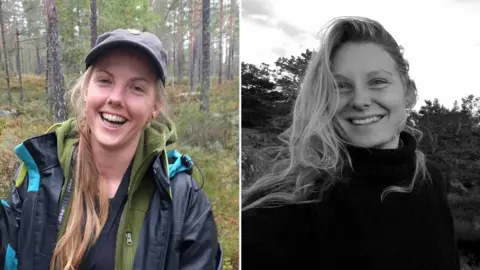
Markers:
(211, 140)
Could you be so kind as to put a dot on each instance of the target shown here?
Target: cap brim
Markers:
(101, 49)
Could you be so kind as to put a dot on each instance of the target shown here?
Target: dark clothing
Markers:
(101, 256)
(168, 217)
(352, 228)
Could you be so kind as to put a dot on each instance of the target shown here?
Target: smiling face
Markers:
(372, 109)
(120, 99)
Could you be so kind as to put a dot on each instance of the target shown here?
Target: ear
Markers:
(85, 92)
(411, 94)
(410, 99)
(157, 107)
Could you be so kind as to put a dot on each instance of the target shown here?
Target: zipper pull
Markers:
(128, 235)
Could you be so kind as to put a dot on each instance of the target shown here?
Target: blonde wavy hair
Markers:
(315, 147)
(89, 203)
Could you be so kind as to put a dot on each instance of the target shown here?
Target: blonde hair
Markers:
(88, 214)
(314, 143)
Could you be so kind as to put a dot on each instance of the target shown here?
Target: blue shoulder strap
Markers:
(178, 163)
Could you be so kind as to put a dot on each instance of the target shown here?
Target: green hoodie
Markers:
(153, 141)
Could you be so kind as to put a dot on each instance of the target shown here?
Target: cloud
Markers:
(255, 7)
(289, 29)
(262, 14)
(279, 51)
(261, 21)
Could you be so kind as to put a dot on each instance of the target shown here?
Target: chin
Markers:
(106, 140)
(382, 142)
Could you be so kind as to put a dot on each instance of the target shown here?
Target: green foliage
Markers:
(135, 14)
(74, 21)
(211, 141)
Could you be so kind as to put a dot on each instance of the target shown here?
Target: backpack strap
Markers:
(178, 163)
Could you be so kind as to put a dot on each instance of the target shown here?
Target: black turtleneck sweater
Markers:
(353, 228)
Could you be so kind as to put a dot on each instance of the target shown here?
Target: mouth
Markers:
(365, 120)
(112, 120)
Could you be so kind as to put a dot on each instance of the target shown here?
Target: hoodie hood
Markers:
(153, 141)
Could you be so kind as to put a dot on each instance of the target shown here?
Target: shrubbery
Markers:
(211, 141)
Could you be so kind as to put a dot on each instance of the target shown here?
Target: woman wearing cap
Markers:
(355, 191)
(97, 193)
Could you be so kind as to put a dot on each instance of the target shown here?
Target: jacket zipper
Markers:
(129, 240)
(167, 239)
(167, 219)
(129, 243)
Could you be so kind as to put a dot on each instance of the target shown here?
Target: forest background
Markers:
(43, 45)
(451, 138)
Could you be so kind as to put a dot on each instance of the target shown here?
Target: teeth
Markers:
(366, 120)
(114, 118)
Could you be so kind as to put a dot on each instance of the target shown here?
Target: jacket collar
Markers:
(41, 152)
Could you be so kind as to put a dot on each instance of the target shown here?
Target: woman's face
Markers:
(120, 99)
(372, 108)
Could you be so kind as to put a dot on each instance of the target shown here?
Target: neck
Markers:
(394, 143)
(112, 163)
(386, 165)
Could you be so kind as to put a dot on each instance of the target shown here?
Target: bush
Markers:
(211, 140)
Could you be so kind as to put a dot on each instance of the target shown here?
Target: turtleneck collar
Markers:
(390, 166)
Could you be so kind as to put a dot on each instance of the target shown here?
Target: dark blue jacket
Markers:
(178, 231)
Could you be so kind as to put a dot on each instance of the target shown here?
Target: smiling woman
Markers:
(354, 191)
(102, 191)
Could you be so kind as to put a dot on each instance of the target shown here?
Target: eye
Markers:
(379, 83)
(137, 88)
(103, 81)
(343, 87)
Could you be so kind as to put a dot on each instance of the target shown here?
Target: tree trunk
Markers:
(228, 44)
(5, 56)
(192, 57)
(19, 66)
(180, 51)
(11, 66)
(38, 69)
(93, 22)
(57, 73)
(229, 74)
(204, 92)
(48, 62)
(220, 44)
(2, 67)
(174, 55)
(198, 46)
(232, 59)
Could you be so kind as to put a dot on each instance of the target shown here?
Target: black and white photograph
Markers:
(360, 134)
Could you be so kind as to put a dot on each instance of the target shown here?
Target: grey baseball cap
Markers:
(145, 41)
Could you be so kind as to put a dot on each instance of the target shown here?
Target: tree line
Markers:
(451, 138)
(51, 38)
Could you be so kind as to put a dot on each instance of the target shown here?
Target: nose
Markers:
(116, 96)
(361, 98)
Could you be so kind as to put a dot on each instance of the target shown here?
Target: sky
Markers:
(441, 38)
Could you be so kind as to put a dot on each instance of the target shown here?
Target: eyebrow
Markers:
(371, 73)
(340, 76)
(376, 72)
